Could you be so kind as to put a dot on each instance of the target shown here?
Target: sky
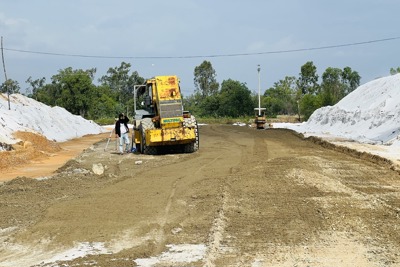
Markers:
(173, 37)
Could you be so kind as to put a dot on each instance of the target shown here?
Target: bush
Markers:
(223, 120)
(105, 121)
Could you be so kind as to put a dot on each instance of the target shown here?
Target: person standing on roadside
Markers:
(121, 132)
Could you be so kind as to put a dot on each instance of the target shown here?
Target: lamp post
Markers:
(259, 91)
(260, 118)
(298, 109)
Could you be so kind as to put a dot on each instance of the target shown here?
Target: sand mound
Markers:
(30, 147)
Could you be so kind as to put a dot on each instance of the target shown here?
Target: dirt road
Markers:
(246, 198)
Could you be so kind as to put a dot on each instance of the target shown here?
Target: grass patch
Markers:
(105, 121)
(224, 120)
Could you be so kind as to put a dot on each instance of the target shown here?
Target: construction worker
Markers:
(121, 132)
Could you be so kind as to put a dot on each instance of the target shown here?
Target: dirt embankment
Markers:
(246, 198)
(31, 147)
(354, 153)
(35, 156)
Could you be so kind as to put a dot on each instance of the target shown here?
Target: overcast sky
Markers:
(173, 37)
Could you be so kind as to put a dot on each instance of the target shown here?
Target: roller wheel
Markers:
(194, 146)
(146, 124)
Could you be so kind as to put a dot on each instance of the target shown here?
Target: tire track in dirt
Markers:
(217, 233)
(209, 161)
(161, 235)
(164, 220)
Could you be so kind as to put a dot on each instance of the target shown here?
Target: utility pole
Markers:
(5, 74)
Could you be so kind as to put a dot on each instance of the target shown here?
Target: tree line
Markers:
(77, 92)
(290, 96)
(303, 95)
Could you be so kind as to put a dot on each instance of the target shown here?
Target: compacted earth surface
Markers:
(246, 198)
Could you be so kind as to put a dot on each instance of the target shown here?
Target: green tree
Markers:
(332, 88)
(35, 85)
(10, 86)
(308, 80)
(102, 103)
(47, 94)
(122, 83)
(307, 85)
(350, 79)
(192, 103)
(337, 83)
(117, 79)
(205, 79)
(210, 106)
(308, 104)
(394, 71)
(281, 98)
(75, 88)
(235, 99)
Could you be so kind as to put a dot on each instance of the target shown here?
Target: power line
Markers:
(206, 56)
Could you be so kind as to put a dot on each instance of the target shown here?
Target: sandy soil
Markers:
(42, 157)
(246, 198)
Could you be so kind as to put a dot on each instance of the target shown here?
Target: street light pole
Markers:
(259, 91)
(260, 118)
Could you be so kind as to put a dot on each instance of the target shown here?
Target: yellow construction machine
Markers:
(161, 124)
(260, 120)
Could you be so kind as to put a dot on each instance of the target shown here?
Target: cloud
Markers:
(12, 23)
(257, 46)
(288, 43)
(13, 29)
